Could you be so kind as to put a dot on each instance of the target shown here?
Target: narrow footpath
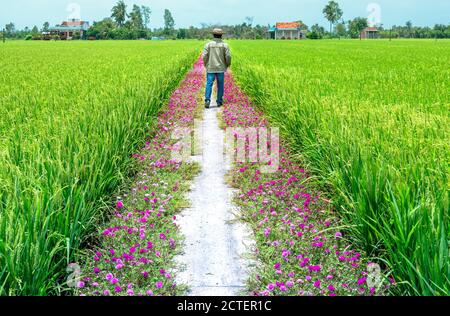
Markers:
(213, 262)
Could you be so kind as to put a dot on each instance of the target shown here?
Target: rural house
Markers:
(287, 30)
(370, 33)
(67, 29)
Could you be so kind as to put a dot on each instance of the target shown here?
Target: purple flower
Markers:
(289, 284)
(106, 293)
(109, 276)
(338, 235)
(81, 285)
(145, 274)
(314, 268)
(270, 287)
(118, 289)
(159, 284)
(114, 281)
(317, 283)
(119, 205)
(362, 280)
(97, 270)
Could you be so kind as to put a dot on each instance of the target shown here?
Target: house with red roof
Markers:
(287, 31)
(370, 33)
(67, 29)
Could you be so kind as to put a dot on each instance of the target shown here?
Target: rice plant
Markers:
(372, 119)
(71, 115)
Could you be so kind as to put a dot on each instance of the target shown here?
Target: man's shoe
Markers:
(219, 105)
(207, 104)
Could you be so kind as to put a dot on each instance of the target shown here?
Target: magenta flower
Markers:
(317, 283)
(118, 289)
(314, 268)
(109, 276)
(159, 284)
(119, 205)
(270, 287)
(362, 280)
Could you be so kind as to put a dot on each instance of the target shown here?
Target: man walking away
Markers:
(217, 59)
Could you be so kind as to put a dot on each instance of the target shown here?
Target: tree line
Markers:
(134, 24)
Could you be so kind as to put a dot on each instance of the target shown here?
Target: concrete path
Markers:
(212, 263)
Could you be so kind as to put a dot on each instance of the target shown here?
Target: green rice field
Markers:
(71, 115)
(372, 119)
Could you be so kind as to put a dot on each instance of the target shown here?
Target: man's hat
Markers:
(218, 32)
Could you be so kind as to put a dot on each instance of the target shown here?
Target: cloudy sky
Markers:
(194, 12)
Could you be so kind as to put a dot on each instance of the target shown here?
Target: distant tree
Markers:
(409, 28)
(441, 31)
(146, 12)
(317, 32)
(169, 23)
(303, 25)
(103, 29)
(341, 29)
(46, 27)
(35, 30)
(182, 34)
(10, 29)
(136, 19)
(356, 26)
(249, 20)
(332, 13)
(119, 13)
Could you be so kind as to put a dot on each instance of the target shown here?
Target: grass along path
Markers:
(300, 246)
(135, 250)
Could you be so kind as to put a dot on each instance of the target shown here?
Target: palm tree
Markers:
(332, 13)
(119, 13)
